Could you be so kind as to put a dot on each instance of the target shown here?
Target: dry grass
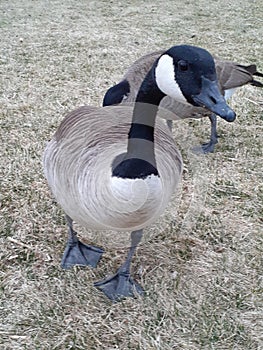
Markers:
(201, 268)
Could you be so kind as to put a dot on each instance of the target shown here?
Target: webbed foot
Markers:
(205, 148)
(119, 286)
(77, 253)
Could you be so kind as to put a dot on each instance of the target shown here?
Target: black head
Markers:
(187, 73)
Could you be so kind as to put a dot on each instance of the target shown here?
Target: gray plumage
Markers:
(79, 158)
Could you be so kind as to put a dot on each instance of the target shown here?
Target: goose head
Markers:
(187, 74)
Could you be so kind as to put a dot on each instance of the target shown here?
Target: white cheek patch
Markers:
(165, 78)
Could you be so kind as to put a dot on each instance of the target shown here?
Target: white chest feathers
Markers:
(135, 202)
(133, 194)
(119, 204)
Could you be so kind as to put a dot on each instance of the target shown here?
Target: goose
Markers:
(116, 167)
(230, 76)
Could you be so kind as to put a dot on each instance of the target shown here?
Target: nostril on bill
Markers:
(213, 99)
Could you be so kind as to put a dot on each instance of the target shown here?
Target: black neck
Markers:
(144, 114)
(139, 160)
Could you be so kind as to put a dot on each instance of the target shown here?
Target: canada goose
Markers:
(116, 168)
(230, 76)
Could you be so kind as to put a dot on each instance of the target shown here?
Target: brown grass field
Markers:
(201, 264)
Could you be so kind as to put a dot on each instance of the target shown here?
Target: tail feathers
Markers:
(256, 83)
(258, 74)
(252, 69)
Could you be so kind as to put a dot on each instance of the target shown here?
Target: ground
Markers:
(201, 264)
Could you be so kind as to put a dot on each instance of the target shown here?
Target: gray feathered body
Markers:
(78, 166)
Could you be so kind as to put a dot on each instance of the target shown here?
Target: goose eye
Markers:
(183, 66)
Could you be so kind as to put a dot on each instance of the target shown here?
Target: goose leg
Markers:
(121, 284)
(77, 253)
(209, 147)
